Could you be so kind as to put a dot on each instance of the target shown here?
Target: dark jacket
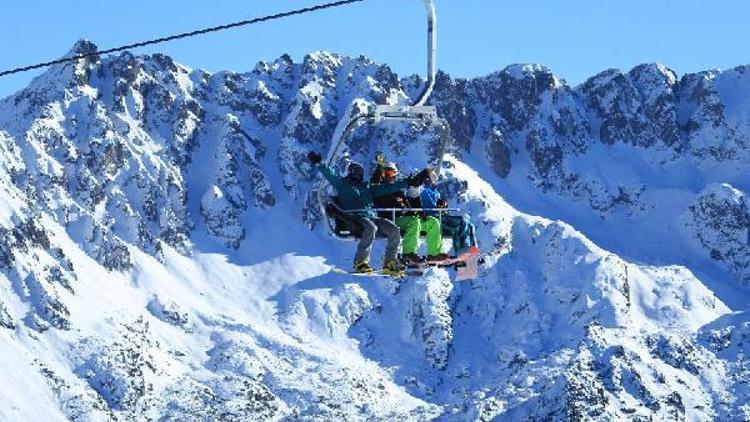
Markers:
(361, 196)
(395, 200)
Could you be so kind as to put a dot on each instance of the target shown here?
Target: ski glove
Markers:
(314, 157)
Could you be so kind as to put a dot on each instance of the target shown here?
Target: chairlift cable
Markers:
(182, 35)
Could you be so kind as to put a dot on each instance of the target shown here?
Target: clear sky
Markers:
(575, 38)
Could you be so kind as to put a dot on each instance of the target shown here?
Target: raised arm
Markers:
(418, 179)
(334, 179)
(382, 190)
(317, 162)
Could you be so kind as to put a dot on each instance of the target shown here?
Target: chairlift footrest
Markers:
(388, 112)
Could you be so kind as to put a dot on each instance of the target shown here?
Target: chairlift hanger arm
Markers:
(431, 53)
(418, 111)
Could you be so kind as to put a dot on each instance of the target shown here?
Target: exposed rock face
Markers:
(610, 380)
(123, 371)
(720, 219)
(47, 304)
(713, 123)
(168, 311)
(5, 319)
(455, 106)
(76, 402)
(638, 108)
(729, 338)
(221, 219)
(230, 398)
(430, 317)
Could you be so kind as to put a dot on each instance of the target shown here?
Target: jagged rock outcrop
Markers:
(221, 218)
(638, 108)
(719, 219)
(168, 311)
(76, 403)
(429, 315)
(712, 122)
(611, 380)
(122, 370)
(5, 319)
(729, 338)
(229, 398)
(47, 304)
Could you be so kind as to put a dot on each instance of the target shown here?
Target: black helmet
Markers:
(355, 172)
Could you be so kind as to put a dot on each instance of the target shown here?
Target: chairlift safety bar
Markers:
(379, 113)
(393, 211)
(440, 210)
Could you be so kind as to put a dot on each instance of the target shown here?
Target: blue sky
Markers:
(575, 38)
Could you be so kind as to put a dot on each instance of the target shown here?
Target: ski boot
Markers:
(394, 269)
(363, 267)
(412, 259)
(438, 258)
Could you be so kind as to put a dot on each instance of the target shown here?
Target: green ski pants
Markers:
(412, 226)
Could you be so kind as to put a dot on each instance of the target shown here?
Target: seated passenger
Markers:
(459, 227)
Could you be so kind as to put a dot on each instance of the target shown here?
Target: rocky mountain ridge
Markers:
(158, 260)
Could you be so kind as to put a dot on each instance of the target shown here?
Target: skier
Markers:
(356, 194)
(459, 227)
(385, 174)
(411, 223)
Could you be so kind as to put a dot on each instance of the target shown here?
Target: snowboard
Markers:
(453, 261)
(470, 270)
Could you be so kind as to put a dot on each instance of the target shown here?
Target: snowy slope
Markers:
(162, 258)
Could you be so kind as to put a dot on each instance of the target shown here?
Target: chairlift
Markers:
(340, 222)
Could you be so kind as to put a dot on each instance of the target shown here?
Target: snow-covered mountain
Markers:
(163, 259)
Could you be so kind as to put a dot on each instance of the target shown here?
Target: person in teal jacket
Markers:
(356, 194)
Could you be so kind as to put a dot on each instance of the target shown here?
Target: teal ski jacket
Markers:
(359, 197)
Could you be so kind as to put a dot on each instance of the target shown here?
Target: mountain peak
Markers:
(655, 71)
(322, 56)
(526, 70)
(82, 47)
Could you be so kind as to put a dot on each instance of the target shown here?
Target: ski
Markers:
(409, 272)
(446, 263)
